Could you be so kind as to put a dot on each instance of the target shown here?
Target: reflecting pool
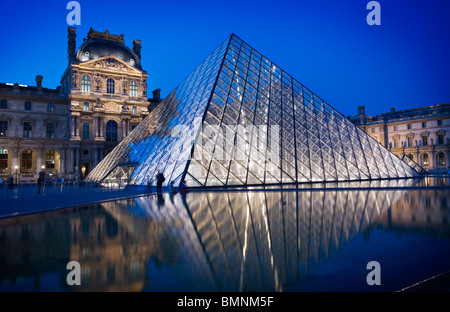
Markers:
(272, 240)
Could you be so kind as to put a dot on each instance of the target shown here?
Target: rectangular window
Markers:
(373, 130)
(3, 128)
(85, 83)
(50, 159)
(133, 89)
(408, 126)
(50, 131)
(27, 129)
(424, 140)
(110, 86)
(440, 139)
(134, 110)
(27, 105)
(395, 128)
(424, 124)
(50, 107)
(3, 158)
(3, 104)
(409, 141)
(85, 134)
(86, 106)
(439, 123)
(27, 160)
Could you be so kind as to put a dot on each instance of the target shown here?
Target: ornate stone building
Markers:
(33, 123)
(422, 134)
(107, 93)
(66, 131)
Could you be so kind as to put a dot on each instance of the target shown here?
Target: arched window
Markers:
(133, 89)
(425, 160)
(110, 86)
(396, 141)
(27, 160)
(440, 159)
(85, 83)
(111, 131)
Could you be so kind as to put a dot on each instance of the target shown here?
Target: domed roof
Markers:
(95, 47)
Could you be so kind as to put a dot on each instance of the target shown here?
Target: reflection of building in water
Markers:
(419, 211)
(266, 240)
(27, 244)
(112, 249)
(209, 241)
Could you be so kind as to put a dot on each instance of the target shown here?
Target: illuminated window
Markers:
(440, 159)
(133, 89)
(50, 159)
(3, 159)
(110, 86)
(85, 83)
(3, 128)
(134, 110)
(86, 106)
(425, 160)
(27, 159)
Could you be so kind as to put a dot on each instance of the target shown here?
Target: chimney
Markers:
(157, 95)
(71, 43)
(39, 82)
(361, 110)
(137, 47)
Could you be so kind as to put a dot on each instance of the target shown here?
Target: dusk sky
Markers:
(326, 45)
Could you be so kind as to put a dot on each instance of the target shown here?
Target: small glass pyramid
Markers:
(238, 119)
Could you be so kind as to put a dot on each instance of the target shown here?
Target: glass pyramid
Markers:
(238, 119)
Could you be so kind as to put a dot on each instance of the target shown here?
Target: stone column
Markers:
(72, 126)
(96, 160)
(100, 119)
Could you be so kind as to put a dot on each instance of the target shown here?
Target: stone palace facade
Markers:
(67, 131)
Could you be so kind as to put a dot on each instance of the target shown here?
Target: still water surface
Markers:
(273, 240)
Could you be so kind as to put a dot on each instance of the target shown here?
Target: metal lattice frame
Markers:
(227, 110)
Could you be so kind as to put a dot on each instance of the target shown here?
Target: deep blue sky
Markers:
(326, 45)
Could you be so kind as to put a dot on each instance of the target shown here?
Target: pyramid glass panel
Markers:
(238, 119)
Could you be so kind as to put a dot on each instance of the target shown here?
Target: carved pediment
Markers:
(110, 62)
(112, 107)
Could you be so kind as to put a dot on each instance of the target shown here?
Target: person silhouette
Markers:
(159, 181)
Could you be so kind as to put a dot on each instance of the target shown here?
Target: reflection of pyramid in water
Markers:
(238, 119)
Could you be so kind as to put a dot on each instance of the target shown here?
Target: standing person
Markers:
(183, 188)
(159, 181)
(40, 180)
(171, 187)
